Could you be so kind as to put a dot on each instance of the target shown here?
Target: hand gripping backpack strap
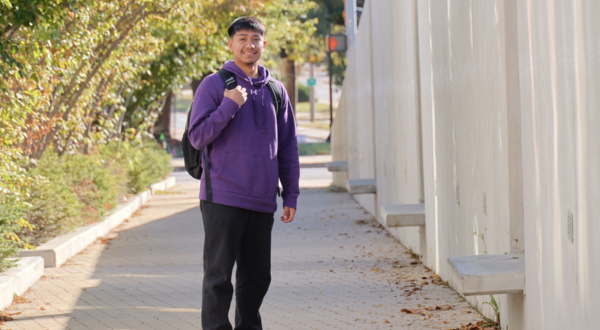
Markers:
(230, 82)
(228, 79)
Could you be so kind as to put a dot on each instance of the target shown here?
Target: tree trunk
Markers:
(195, 83)
(288, 72)
(163, 122)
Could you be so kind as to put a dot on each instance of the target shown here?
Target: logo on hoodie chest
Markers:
(254, 91)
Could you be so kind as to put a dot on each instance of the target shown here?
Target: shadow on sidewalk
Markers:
(150, 278)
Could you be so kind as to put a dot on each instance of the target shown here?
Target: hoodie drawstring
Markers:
(264, 121)
(253, 103)
(262, 91)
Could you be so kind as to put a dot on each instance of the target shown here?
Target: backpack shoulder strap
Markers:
(189, 116)
(276, 94)
(231, 82)
(228, 78)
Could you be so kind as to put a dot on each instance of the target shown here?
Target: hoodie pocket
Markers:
(248, 174)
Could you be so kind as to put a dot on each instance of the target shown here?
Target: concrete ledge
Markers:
(58, 250)
(165, 184)
(19, 279)
(488, 274)
(403, 215)
(362, 186)
(337, 166)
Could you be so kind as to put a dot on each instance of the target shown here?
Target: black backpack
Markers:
(192, 156)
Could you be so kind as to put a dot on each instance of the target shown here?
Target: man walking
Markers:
(250, 144)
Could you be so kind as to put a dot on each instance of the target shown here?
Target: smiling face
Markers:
(247, 46)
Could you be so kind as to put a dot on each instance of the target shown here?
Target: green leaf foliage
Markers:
(83, 73)
(303, 93)
(144, 161)
(72, 190)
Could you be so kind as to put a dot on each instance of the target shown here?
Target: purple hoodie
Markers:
(251, 147)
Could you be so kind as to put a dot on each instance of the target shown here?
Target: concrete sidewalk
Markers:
(313, 133)
(334, 267)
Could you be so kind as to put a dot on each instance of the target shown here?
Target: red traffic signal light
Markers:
(336, 43)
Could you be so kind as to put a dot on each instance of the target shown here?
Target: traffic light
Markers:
(336, 43)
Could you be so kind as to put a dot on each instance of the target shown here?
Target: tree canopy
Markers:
(79, 72)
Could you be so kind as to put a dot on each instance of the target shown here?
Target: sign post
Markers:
(311, 84)
(335, 43)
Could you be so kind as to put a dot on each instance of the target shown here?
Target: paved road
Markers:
(333, 268)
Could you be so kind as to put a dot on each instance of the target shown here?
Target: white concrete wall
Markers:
(487, 111)
(338, 142)
(359, 110)
(466, 129)
(560, 75)
(396, 108)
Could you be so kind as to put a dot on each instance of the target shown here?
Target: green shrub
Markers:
(77, 189)
(151, 164)
(14, 186)
(94, 183)
(12, 212)
(64, 192)
(146, 162)
(55, 207)
(310, 149)
(303, 93)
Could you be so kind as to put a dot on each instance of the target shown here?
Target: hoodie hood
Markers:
(264, 74)
(254, 87)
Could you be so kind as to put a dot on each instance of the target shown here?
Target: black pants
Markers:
(235, 235)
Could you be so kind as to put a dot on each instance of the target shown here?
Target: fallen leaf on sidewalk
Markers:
(5, 317)
(439, 308)
(444, 307)
(19, 299)
(413, 311)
